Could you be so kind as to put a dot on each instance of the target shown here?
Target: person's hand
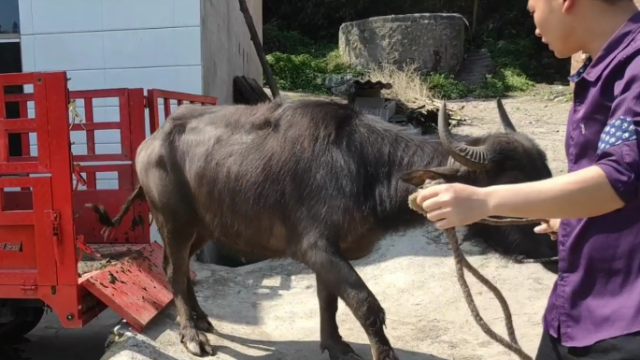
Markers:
(551, 227)
(451, 205)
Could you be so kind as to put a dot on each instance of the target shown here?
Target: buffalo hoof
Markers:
(386, 354)
(339, 350)
(196, 342)
(202, 323)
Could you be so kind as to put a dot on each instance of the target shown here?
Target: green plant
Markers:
(287, 42)
(307, 73)
(501, 83)
(291, 42)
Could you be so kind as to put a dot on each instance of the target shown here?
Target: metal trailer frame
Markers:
(45, 229)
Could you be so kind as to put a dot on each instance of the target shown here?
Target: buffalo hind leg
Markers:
(330, 338)
(178, 238)
(201, 318)
(336, 273)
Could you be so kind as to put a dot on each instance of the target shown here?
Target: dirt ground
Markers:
(269, 311)
(544, 120)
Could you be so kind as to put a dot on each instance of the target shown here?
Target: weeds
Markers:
(302, 66)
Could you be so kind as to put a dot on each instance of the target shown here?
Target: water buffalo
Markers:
(315, 181)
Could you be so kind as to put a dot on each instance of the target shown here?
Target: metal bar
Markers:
(17, 217)
(166, 102)
(18, 125)
(102, 93)
(89, 122)
(61, 179)
(104, 168)
(3, 110)
(92, 182)
(112, 125)
(152, 106)
(18, 98)
(26, 181)
(21, 167)
(100, 157)
(43, 118)
(209, 100)
(125, 133)
(25, 142)
(20, 78)
(89, 127)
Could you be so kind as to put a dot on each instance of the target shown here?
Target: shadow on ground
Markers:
(239, 348)
(301, 350)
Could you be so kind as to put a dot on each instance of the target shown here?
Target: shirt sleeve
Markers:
(617, 153)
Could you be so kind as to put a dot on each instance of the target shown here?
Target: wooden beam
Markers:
(273, 86)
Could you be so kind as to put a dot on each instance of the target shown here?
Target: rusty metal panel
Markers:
(130, 280)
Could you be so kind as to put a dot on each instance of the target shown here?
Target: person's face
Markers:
(555, 25)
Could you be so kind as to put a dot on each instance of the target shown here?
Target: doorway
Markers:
(11, 62)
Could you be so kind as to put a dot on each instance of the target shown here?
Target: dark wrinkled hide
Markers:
(310, 180)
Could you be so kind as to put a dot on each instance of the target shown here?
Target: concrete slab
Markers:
(269, 311)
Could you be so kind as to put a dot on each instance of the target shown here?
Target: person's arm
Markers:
(608, 185)
(584, 193)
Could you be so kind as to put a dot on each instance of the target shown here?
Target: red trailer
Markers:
(52, 253)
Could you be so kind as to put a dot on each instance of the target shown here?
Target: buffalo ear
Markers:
(419, 177)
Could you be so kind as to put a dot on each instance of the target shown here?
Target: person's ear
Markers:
(567, 6)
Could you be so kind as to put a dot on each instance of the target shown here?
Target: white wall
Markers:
(224, 57)
(113, 44)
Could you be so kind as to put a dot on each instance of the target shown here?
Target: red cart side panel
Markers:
(40, 220)
(129, 121)
(155, 95)
(23, 259)
(37, 240)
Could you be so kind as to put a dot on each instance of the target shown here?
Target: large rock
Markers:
(434, 42)
(269, 310)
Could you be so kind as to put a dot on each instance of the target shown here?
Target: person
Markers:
(593, 310)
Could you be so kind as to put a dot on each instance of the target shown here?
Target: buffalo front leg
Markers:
(336, 273)
(330, 338)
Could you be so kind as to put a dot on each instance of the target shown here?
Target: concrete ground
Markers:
(50, 341)
(269, 311)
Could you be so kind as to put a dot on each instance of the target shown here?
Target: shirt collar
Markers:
(593, 67)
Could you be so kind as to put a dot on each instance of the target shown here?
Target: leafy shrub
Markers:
(305, 72)
(499, 84)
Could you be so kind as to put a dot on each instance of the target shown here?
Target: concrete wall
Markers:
(112, 44)
(219, 66)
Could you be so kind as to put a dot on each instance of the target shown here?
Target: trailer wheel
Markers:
(26, 319)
